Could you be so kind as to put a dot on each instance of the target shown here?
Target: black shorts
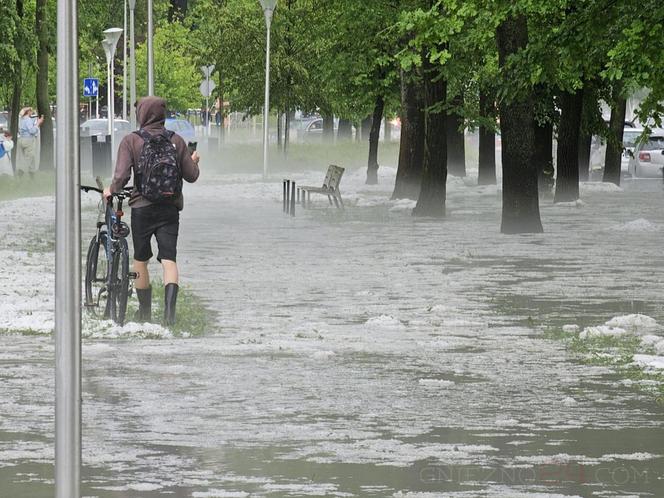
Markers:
(160, 220)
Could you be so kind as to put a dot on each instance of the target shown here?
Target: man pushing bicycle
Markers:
(159, 160)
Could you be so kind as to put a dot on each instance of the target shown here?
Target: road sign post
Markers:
(206, 89)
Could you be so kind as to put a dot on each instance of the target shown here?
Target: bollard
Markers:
(287, 196)
(292, 206)
(284, 199)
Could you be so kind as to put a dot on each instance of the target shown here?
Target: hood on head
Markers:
(151, 112)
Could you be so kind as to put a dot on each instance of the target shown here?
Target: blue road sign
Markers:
(90, 87)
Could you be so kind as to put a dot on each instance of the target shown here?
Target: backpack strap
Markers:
(143, 134)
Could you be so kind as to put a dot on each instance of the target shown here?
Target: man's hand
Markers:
(195, 157)
(40, 120)
(107, 193)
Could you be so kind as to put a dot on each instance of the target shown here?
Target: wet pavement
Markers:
(365, 353)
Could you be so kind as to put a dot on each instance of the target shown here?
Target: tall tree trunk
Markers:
(411, 146)
(279, 130)
(222, 130)
(345, 131)
(388, 130)
(567, 178)
(46, 159)
(544, 156)
(328, 128)
(374, 136)
(287, 134)
(433, 192)
(487, 159)
(16, 92)
(585, 145)
(585, 136)
(614, 147)
(366, 125)
(14, 111)
(520, 196)
(177, 10)
(456, 140)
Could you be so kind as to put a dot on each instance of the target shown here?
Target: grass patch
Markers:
(31, 332)
(16, 187)
(616, 352)
(248, 158)
(192, 318)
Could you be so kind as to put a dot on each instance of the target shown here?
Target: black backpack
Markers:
(158, 177)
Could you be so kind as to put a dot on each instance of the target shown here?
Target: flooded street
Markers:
(362, 353)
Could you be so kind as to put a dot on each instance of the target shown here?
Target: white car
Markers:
(647, 158)
(100, 127)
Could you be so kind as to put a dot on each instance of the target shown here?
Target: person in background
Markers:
(6, 145)
(28, 134)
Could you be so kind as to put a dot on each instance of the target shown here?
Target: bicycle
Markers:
(107, 275)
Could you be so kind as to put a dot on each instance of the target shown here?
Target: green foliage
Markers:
(175, 74)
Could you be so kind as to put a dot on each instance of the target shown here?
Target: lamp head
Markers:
(112, 35)
(268, 4)
(132, 4)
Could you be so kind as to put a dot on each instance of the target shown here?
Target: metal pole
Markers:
(292, 199)
(132, 86)
(150, 51)
(111, 112)
(67, 260)
(108, 96)
(266, 108)
(124, 64)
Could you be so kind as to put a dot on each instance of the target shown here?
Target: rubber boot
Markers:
(144, 313)
(170, 299)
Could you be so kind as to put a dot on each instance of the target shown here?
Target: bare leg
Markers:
(171, 275)
(143, 278)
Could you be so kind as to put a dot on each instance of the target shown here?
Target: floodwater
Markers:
(365, 353)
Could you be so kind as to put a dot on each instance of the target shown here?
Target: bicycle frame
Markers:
(116, 232)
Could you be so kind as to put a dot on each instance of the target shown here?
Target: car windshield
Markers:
(173, 125)
(654, 143)
(630, 138)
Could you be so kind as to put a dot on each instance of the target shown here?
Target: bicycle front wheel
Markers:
(119, 284)
(96, 276)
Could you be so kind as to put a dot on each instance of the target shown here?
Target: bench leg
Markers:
(329, 198)
(338, 196)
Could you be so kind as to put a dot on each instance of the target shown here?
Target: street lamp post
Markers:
(124, 64)
(268, 10)
(150, 51)
(110, 43)
(132, 67)
(67, 259)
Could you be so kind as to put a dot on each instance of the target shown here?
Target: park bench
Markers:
(330, 188)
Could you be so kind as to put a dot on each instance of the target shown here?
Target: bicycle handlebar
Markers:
(123, 194)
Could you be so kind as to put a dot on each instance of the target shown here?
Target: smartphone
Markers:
(192, 147)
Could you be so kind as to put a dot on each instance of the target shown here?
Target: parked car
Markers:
(182, 127)
(598, 150)
(647, 158)
(630, 137)
(95, 127)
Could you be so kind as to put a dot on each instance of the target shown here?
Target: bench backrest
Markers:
(333, 177)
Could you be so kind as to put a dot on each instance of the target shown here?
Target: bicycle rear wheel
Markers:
(96, 276)
(119, 284)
